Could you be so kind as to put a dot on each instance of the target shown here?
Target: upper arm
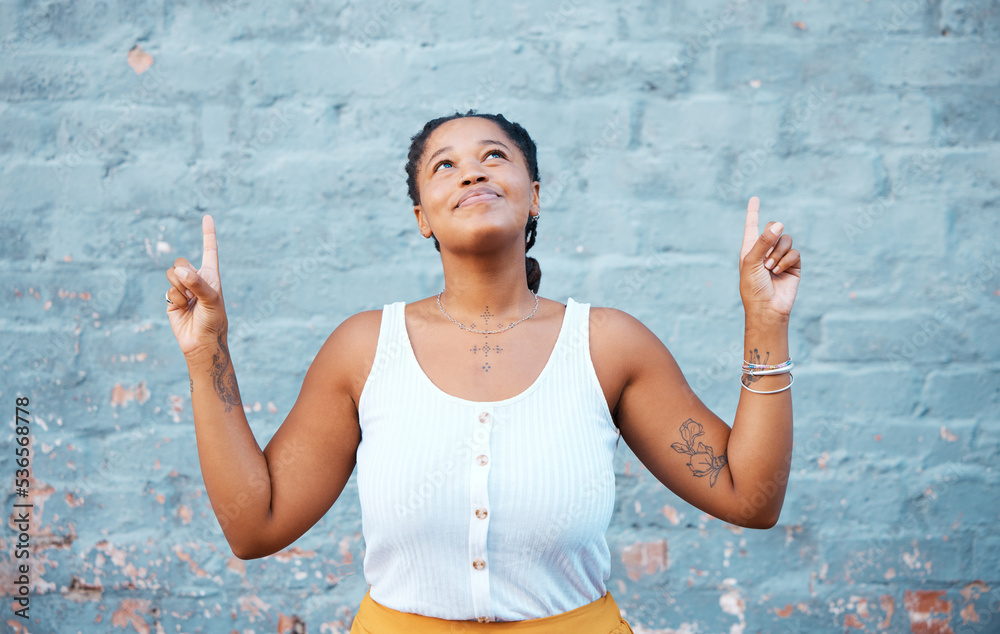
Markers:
(313, 453)
(675, 436)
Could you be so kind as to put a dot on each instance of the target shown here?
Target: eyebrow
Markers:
(481, 144)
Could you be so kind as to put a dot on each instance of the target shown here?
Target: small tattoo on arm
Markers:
(192, 384)
(703, 461)
(225, 382)
(755, 359)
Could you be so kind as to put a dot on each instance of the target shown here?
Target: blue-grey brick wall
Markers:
(871, 129)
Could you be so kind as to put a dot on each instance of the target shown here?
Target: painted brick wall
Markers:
(871, 129)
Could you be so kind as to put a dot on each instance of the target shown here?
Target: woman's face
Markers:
(475, 191)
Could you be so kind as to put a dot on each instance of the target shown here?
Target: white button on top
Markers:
(481, 460)
(481, 513)
(484, 417)
(479, 564)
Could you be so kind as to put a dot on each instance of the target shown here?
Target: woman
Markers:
(489, 415)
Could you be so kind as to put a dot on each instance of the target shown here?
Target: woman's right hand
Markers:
(198, 314)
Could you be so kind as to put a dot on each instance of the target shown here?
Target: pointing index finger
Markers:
(751, 231)
(210, 253)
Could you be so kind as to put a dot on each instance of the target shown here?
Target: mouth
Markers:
(476, 196)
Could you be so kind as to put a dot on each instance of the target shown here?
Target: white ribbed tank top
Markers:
(486, 510)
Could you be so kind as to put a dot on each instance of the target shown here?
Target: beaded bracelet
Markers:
(792, 380)
(758, 366)
(778, 370)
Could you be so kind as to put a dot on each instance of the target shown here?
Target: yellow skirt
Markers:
(599, 617)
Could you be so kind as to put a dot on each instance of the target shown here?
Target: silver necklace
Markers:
(486, 332)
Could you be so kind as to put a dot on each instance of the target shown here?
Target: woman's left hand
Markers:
(769, 267)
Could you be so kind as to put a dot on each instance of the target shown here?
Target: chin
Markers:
(489, 237)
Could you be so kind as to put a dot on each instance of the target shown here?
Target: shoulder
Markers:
(348, 354)
(612, 322)
(359, 330)
(618, 345)
(617, 335)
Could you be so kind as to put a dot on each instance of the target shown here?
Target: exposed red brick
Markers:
(645, 558)
(139, 60)
(888, 603)
(852, 620)
(972, 591)
(128, 614)
(922, 605)
(926, 602)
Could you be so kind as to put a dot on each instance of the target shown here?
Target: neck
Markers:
(473, 285)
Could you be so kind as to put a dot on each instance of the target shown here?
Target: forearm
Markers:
(760, 445)
(234, 468)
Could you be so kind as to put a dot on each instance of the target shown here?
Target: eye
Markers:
(440, 164)
(492, 152)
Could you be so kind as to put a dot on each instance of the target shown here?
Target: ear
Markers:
(535, 205)
(425, 227)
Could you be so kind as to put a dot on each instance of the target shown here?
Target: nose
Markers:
(474, 173)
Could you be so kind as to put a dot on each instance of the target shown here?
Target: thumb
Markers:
(764, 243)
(196, 284)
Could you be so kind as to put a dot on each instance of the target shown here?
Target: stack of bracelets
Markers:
(754, 369)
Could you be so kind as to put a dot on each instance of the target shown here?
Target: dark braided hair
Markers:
(524, 143)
